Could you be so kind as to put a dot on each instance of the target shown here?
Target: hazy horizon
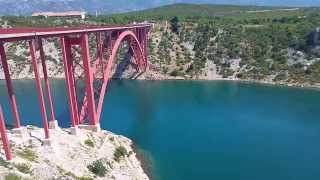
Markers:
(27, 7)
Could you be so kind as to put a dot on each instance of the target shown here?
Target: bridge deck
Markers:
(15, 34)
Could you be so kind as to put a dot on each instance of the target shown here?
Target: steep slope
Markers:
(266, 45)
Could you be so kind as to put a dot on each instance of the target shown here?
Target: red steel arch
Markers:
(137, 53)
(140, 60)
(87, 109)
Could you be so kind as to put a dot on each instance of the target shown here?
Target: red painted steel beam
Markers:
(145, 46)
(70, 63)
(12, 96)
(46, 80)
(23, 30)
(99, 48)
(39, 88)
(16, 34)
(65, 46)
(73, 85)
(88, 78)
(74, 41)
(4, 137)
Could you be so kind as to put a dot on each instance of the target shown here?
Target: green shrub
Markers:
(89, 142)
(280, 77)
(111, 138)
(98, 168)
(27, 154)
(12, 176)
(120, 152)
(70, 174)
(174, 73)
(23, 167)
(84, 178)
(4, 163)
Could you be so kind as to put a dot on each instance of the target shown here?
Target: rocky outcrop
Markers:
(313, 38)
(87, 155)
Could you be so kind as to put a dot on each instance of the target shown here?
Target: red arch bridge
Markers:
(86, 78)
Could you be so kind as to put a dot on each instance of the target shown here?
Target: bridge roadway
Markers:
(16, 34)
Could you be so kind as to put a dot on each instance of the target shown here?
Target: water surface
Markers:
(204, 130)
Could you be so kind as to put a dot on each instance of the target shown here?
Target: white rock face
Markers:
(210, 72)
(68, 155)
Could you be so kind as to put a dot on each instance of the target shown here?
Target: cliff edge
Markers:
(87, 155)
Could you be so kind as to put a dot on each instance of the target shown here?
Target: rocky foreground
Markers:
(87, 155)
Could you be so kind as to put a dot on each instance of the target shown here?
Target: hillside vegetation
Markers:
(192, 11)
(216, 41)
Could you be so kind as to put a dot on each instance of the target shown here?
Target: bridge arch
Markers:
(134, 45)
(139, 57)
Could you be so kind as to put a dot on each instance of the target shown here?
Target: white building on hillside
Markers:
(72, 14)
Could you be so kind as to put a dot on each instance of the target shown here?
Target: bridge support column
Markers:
(94, 128)
(39, 88)
(4, 137)
(145, 44)
(21, 132)
(88, 79)
(12, 96)
(67, 64)
(46, 80)
(53, 124)
(74, 130)
(99, 48)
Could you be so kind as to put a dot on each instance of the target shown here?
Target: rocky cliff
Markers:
(86, 156)
(202, 51)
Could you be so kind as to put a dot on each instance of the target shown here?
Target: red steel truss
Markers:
(4, 138)
(86, 78)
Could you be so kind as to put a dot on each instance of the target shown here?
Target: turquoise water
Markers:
(205, 130)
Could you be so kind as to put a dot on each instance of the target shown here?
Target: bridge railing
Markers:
(4, 137)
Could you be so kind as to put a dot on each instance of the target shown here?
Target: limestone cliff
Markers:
(87, 155)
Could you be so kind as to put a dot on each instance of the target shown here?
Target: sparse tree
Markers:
(175, 24)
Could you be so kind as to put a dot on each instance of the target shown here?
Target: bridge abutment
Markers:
(53, 124)
(21, 132)
(94, 128)
(74, 130)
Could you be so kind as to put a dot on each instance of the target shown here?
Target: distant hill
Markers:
(195, 11)
(26, 7)
(198, 9)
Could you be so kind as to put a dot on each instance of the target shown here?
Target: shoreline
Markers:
(247, 81)
(145, 163)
